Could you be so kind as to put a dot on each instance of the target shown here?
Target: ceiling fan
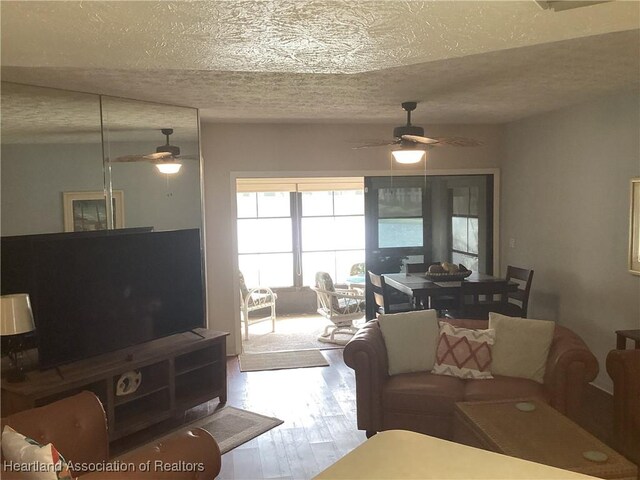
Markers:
(166, 157)
(413, 143)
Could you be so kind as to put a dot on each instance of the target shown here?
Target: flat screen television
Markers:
(96, 293)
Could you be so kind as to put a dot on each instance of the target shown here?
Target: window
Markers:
(400, 222)
(265, 232)
(464, 226)
(332, 233)
(284, 238)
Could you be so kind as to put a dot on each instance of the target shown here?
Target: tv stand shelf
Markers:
(178, 373)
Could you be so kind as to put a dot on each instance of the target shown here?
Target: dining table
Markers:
(422, 289)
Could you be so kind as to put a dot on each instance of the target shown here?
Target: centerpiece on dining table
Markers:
(446, 272)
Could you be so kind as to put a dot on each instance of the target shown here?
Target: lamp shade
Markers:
(168, 168)
(16, 315)
(405, 155)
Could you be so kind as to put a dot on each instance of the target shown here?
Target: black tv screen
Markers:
(93, 294)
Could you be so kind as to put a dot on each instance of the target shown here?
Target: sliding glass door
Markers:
(428, 219)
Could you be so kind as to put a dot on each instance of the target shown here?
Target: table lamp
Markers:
(16, 319)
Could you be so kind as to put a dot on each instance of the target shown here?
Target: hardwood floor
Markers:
(318, 409)
(319, 412)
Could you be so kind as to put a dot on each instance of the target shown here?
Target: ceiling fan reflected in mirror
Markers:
(166, 157)
(412, 144)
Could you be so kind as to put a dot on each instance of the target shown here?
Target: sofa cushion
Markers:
(502, 388)
(521, 347)
(411, 339)
(464, 352)
(423, 393)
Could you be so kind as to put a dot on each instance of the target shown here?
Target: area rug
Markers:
(253, 362)
(299, 332)
(231, 427)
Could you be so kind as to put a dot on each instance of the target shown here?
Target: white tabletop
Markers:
(399, 454)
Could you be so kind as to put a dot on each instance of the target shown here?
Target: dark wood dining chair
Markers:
(478, 299)
(381, 296)
(518, 301)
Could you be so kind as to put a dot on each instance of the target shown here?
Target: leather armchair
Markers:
(77, 427)
(424, 403)
(623, 367)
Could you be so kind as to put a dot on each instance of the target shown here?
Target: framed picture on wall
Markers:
(86, 211)
(634, 227)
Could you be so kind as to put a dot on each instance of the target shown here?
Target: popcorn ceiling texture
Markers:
(43, 115)
(323, 61)
(285, 36)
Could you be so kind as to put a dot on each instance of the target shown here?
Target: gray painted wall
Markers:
(565, 202)
(286, 149)
(34, 177)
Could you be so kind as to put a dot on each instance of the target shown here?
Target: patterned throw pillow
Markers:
(34, 460)
(464, 353)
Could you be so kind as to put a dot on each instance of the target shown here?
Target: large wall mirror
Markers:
(62, 150)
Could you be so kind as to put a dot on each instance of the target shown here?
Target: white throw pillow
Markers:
(521, 347)
(35, 461)
(411, 339)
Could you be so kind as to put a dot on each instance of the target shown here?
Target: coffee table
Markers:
(542, 435)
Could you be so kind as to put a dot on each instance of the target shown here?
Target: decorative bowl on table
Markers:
(447, 272)
(447, 277)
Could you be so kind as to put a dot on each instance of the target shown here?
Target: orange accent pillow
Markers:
(463, 352)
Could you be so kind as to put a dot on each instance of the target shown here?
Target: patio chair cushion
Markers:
(243, 286)
(325, 282)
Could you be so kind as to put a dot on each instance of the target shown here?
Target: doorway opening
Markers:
(291, 231)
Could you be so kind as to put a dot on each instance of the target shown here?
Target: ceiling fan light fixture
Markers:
(168, 168)
(408, 155)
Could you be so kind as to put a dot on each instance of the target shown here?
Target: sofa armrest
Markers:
(76, 426)
(570, 366)
(623, 367)
(366, 353)
(189, 455)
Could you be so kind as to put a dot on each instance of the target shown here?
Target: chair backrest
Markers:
(494, 294)
(244, 291)
(379, 294)
(325, 282)
(524, 278)
(357, 269)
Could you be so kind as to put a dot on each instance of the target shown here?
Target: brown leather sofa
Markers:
(77, 427)
(623, 367)
(423, 402)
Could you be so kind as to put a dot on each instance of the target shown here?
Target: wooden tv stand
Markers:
(178, 372)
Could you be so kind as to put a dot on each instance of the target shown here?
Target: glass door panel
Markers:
(428, 219)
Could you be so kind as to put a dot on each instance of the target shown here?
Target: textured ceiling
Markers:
(43, 115)
(285, 36)
(314, 61)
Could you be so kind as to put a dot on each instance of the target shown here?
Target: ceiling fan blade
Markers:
(188, 157)
(380, 144)
(457, 142)
(130, 158)
(419, 139)
(158, 156)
